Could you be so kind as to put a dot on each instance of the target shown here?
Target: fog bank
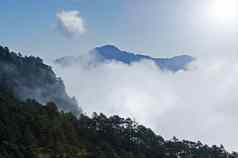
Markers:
(198, 104)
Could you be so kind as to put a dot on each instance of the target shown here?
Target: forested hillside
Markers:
(29, 77)
(30, 130)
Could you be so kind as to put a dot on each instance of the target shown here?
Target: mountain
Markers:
(110, 53)
(29, 78)
(30, 130)
(32, 124)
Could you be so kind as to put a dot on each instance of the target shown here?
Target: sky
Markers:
(199, 104)
(155, 27)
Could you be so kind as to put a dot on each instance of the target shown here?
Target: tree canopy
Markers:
(29, 77)
(29, 129)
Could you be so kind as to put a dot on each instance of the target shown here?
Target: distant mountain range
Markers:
(110, 53)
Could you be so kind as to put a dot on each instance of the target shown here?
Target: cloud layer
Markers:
(199, 104)
(70, 22)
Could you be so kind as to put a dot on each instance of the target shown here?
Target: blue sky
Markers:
(155, 27)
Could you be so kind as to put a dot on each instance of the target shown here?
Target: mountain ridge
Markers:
(29, 78)
(108, 53)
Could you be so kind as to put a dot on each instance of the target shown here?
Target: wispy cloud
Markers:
(70, 23)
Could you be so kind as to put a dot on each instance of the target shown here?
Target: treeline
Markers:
(29, 77)
(30, 130)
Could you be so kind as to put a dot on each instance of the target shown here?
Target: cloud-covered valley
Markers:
(197, 104)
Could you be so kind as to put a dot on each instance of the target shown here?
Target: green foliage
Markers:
(29, 77)
(30, 130)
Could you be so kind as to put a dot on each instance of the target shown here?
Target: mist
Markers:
(29, 78)
(197, 104)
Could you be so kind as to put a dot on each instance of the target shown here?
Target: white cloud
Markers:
(200, 104)
(70, 22)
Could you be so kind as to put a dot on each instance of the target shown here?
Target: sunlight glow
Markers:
(225, 11)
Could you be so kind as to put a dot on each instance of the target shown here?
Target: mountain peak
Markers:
(108, 48)
(112, 53)
(184, 56)
(108, 53)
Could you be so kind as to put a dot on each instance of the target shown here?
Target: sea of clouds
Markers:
(197, 104)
